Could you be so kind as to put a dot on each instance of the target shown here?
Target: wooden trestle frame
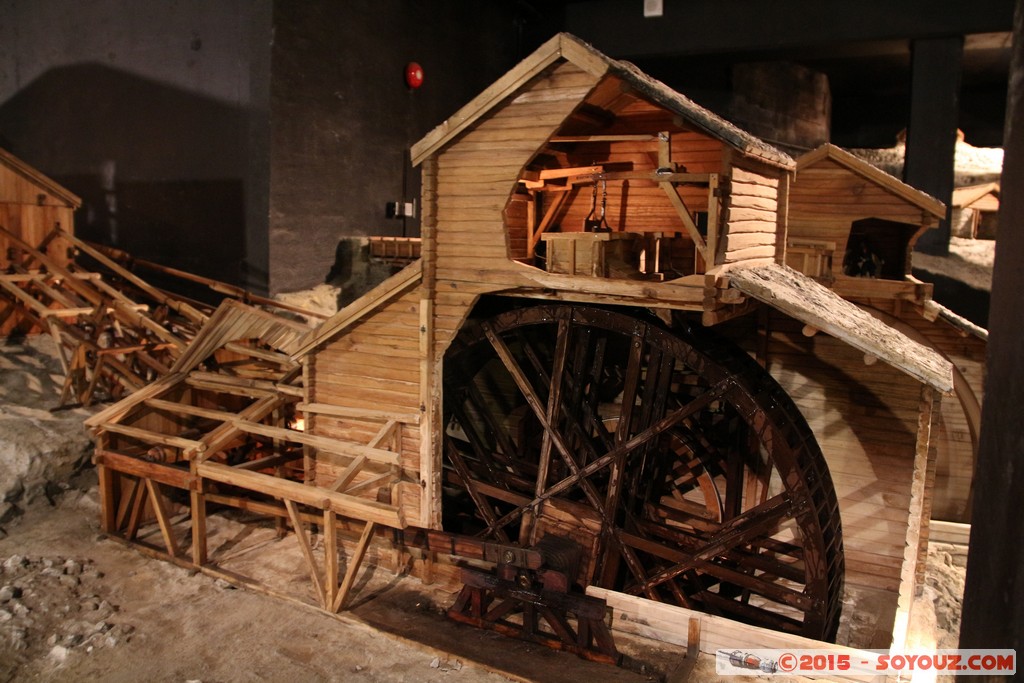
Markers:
(216, 428)
(115, 332)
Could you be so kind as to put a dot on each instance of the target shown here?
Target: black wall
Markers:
(343, 118)
(156, 114)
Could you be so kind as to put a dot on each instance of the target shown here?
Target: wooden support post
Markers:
(353, 568)
(330, 556)
(197, 500)
(107, 507)
(307, 551)
(157, 499)
(712, 232)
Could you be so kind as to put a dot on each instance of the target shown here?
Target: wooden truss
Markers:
(115, 332)
(223, 428)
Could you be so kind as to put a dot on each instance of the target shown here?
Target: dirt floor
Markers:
(77, 605)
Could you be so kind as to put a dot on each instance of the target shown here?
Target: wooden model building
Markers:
(599, 373)
(841, 210)
(114, 331)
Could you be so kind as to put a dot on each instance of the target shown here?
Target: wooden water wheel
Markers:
(684, 470)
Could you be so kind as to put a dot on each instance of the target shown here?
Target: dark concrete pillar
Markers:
(787, 104)
(931, 132)
(993, 615)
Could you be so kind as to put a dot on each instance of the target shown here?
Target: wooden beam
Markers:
(179, 306)
(323, 443)
(353, 567)
(126, 464)
(307, 552)
(330, 557)
(194, 411)
(313, 496)
(156, 437)
(358, 413)
(157, 499)
(691, 228)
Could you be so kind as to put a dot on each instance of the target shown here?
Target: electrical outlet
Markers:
(400, 209)
(653, 8)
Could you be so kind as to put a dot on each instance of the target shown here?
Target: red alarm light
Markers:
(413, 75)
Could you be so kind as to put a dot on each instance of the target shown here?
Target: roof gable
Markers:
(36, 178)
(572, 49)
(862, 168)
(965, 196)
(234, 320)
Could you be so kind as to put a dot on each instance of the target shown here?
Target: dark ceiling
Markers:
(863, 47)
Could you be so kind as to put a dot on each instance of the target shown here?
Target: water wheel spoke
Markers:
(482, 506)
(761, 520)
(684, 470)
(760, 584)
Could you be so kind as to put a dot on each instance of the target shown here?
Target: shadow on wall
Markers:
(161, 171)
(353, 270)
(957, 296)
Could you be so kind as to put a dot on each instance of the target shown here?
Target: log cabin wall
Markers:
(751, 214)
(374, 364)
(31, 206)
(826, 198)
(865, 419)
(478, 172)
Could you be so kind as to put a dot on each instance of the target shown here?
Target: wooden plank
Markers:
(949, 532)
(322, 443)
(322, 499)
(165, 474)
(353, 567)
(671, 624)
(187, 445)
(157, 500)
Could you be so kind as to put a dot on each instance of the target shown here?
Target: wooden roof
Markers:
(378, 296)
(234, 320)
(799, 296)
(572, 49)
(862, 168)
(43, 182)
(968, 195)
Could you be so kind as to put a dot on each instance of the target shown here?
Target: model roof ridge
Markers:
(576, 51)
(871, 172)
(36, 177)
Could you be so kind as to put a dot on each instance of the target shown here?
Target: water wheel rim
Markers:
(544, 352)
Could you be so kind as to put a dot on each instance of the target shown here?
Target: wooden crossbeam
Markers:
(313, 496)
(162, 518)
(156, 437)
(319, 442)
(684, 214)
(358, 413)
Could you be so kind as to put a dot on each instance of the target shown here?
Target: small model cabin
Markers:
(976, 211)
(31, 207)
(600, 366)
(852, 228)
